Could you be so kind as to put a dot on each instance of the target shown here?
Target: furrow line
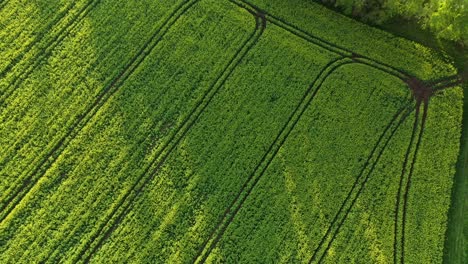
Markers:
(267, 158)
(364, 181)
(408, 181)
(400, 185)
(42, 53)
(124, 205)
(81, 121)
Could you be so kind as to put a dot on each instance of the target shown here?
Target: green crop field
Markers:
(220, 131)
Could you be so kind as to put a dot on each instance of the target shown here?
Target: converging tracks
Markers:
(123, 206)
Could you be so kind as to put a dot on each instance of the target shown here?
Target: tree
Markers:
(447, 19)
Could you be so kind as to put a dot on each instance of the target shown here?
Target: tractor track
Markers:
(43, 53)
(230, 213)
(11, 202)
(315, 41)
(402, 75)
(362, 185)
(422, 94)
(443, 80)
(400, 184)
(408, 181)
(267, 158)
(399, 73)
(124, 206)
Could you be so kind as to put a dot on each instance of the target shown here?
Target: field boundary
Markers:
(110, 89)
(123, 206)
(36, 60)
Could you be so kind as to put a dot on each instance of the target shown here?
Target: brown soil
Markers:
(421, 91)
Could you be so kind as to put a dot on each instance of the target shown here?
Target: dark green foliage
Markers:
(447, 19)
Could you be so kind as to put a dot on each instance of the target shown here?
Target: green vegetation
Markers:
(456, 245)
(447, 19)
(220, 131)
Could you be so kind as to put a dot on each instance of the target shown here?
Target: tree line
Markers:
(447, 19)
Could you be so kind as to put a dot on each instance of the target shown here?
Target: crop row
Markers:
(30, 29)
(99, 167)
(55, 101)
(160, 162)
(304, 187)
(200, 179)
(180, 131)
(346, 34)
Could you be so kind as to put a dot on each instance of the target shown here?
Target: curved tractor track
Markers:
(235, 205)
(55, 150)
(123, 207)
(352, 57)
(399, 73)
(422, 93)
(268, 157)
(43, 53)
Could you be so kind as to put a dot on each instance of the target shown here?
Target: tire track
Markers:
(109, 90)
(422, 94)
(399, 73)
(125, 204)
(44, 33)
(36, 60)
(402, 75)
(448, 85)
(400, 185)
(443, 80)
(234, 207)
(408, 182)
(360, 182)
